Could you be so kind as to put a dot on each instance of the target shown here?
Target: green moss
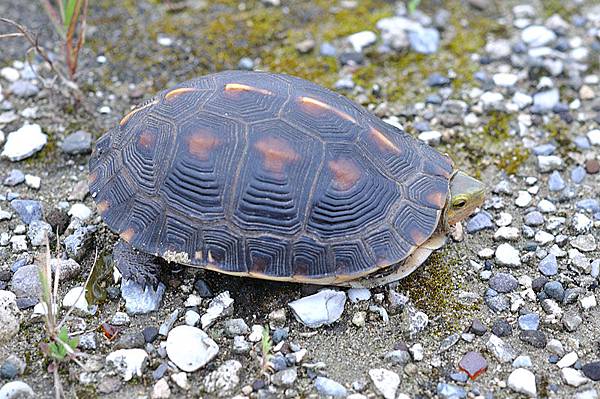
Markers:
(563, 8)
(498, 126)
(433, 288)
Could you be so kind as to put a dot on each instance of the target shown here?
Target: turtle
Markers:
(271, 176)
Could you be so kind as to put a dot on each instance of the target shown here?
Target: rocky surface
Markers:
(508, 307)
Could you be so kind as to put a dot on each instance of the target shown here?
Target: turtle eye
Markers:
(460, 203)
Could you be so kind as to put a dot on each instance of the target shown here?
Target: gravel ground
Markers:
(508, 308)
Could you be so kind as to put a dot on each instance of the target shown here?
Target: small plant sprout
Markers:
(59, 347)
(266, 346)
(413, 5)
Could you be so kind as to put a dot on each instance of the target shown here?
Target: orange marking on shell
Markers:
(177, 92)
(383, 142)
(128, 234)
(312, 105)
(201, 143)
(436, 198)
(236, 87)
(345, 173)
(147, 139)
(134, 111)
(276, 153)
(417, 236)
(102, 206)
(92, 177)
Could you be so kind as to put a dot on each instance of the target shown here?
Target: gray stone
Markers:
(534, 218)
(328, 387)
(140, 299)
(503, 352)
(530, 321)
(15, 177)
(25, 282)
(79, 142)
(28, 210)
(224, 379)
(10, 316)
(450, 391)
(235, 327)
(556, 182)
(549, 265)
(424, 40)
(38, 231)
(503, 282)
(23, 89)
(480, 221)
(285, 378)
(386, 382)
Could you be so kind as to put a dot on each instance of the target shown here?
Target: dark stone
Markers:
(79, 142)
(150, 333)
(28, 210)
(130, 341)
(477, 327)
(202, 289)
(592, 370)
(555, 290)
(534, 338)
(58, 219)
(501, 328)
(160, 371)
(258, 384)
(503, 282)
(8, 370)
(437, 80)
(351, 58)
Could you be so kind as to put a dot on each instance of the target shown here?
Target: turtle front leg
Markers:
(136, 266)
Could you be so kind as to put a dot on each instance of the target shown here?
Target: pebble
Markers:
(556, 182)
(450, 391)
(501, 328)
(330, 388)
(523, 200)
(522, 361)
(10, 74)
(23, 89)
(592, 370)
(503, 352)
(233, 327)
(80, 211)
(530, 321)
(546, 206)
(140, 299)
(585, 243)
(285, 378)
(161, 389)
(76, 298)
(548, 163)
(224, 380)
(522, 381)
(534, 218)
(361, 40)
(324, 307)
(216, 308)
(190, 348)
(246, 64)
(507, 255)
(34, 182)
(79, 142)
(473, 364)
(28, 210)
(424, 40)
(128, 362)
(24, 142)
(15, 177)
(25, 282)
(503, 282)
(554, 290)
(305, 46)
(16, 390)
(573, 377)
(432, 137)
(534, 338)
(358, 294)
(386, 382)
(568, 360)
(480, 221)
(594, 136)
(327, 50)
(505, 79)
(167, 325)
(10, 316)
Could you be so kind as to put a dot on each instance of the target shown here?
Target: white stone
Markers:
(568, 360)
(363, 39)
(161, 389)
(80, 211)
(546, 206)
(594, 136)
(76, 298)
(224, 379)
(581, 223)
(522, 381)
(216, 308)
(491, 99)
(542, 237)
(190, 348)
(504, 219)
(431, 137)
(537, 35)
(128, 362)
(256, 333)
(191, 317)
(522, 100)
(417, 352)
(33, 181)
(16, 390)
(24, 142)
(588, 302)
(386, 382)
(506, 233)
(164, 41)
(10, 316)
(358, 294)
(505, 79)
(18, 243)
(573, 377)
(523, 200)
(507, 255)
(324, 307)
(503, 352)
(10, 74)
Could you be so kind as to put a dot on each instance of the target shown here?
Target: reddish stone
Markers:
(473, 364)
(592, 166)
(109, 330)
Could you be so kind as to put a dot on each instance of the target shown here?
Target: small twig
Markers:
(9, 35)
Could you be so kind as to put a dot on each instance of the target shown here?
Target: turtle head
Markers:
(466, 194)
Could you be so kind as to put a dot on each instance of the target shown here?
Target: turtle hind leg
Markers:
(137, 266)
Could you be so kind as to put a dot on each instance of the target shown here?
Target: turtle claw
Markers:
(136, 266)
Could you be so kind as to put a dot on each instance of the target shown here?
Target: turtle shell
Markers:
(267, 175)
